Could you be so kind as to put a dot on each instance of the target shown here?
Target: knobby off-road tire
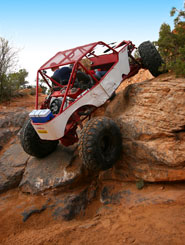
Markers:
(100, 143)
(33, 145)
(150, 58)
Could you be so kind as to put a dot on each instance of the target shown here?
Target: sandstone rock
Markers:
(141, 76)
(5, 135)
(12, 164)
(53, 171)
(33, 210)
(10, 124)
(109, 196)
(151, 115)
(19, 118)
(67, 207)
(61, 205)
(14, 119)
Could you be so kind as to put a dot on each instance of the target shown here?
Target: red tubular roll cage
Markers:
(74, 56)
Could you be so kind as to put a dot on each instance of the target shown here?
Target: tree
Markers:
(7, 56)
(7, 61)
(166, 43)
(18, 79)
(171, 43)
(9, 80)
(180, 16)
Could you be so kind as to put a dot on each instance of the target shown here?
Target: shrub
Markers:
(171, 43)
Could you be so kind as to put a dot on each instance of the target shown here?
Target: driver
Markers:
(61, 75)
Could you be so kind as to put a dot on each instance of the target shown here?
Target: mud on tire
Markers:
(100, 143)
(150, 58)
(33, 145)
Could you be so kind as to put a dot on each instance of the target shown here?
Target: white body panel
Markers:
(55, 128)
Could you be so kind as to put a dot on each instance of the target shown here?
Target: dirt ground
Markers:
(153, 215)
(27, 102)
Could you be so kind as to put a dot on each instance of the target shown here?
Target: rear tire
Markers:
(150, 58)
(33, 145)
(100, 143)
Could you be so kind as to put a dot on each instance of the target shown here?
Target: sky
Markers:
(41, 28)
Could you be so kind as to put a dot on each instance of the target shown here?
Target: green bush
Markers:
(171, 44)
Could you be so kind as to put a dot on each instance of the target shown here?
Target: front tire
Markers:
(150, 58)
(100, 143)
(33, 145)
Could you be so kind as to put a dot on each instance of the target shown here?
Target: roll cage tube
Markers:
(68, 85)
(37, 88)
(45, 79)
(69, 57)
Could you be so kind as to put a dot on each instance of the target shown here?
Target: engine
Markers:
(56, 103)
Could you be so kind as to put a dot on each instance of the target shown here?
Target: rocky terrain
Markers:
(140, 200)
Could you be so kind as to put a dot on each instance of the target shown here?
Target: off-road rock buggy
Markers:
(68, 108)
